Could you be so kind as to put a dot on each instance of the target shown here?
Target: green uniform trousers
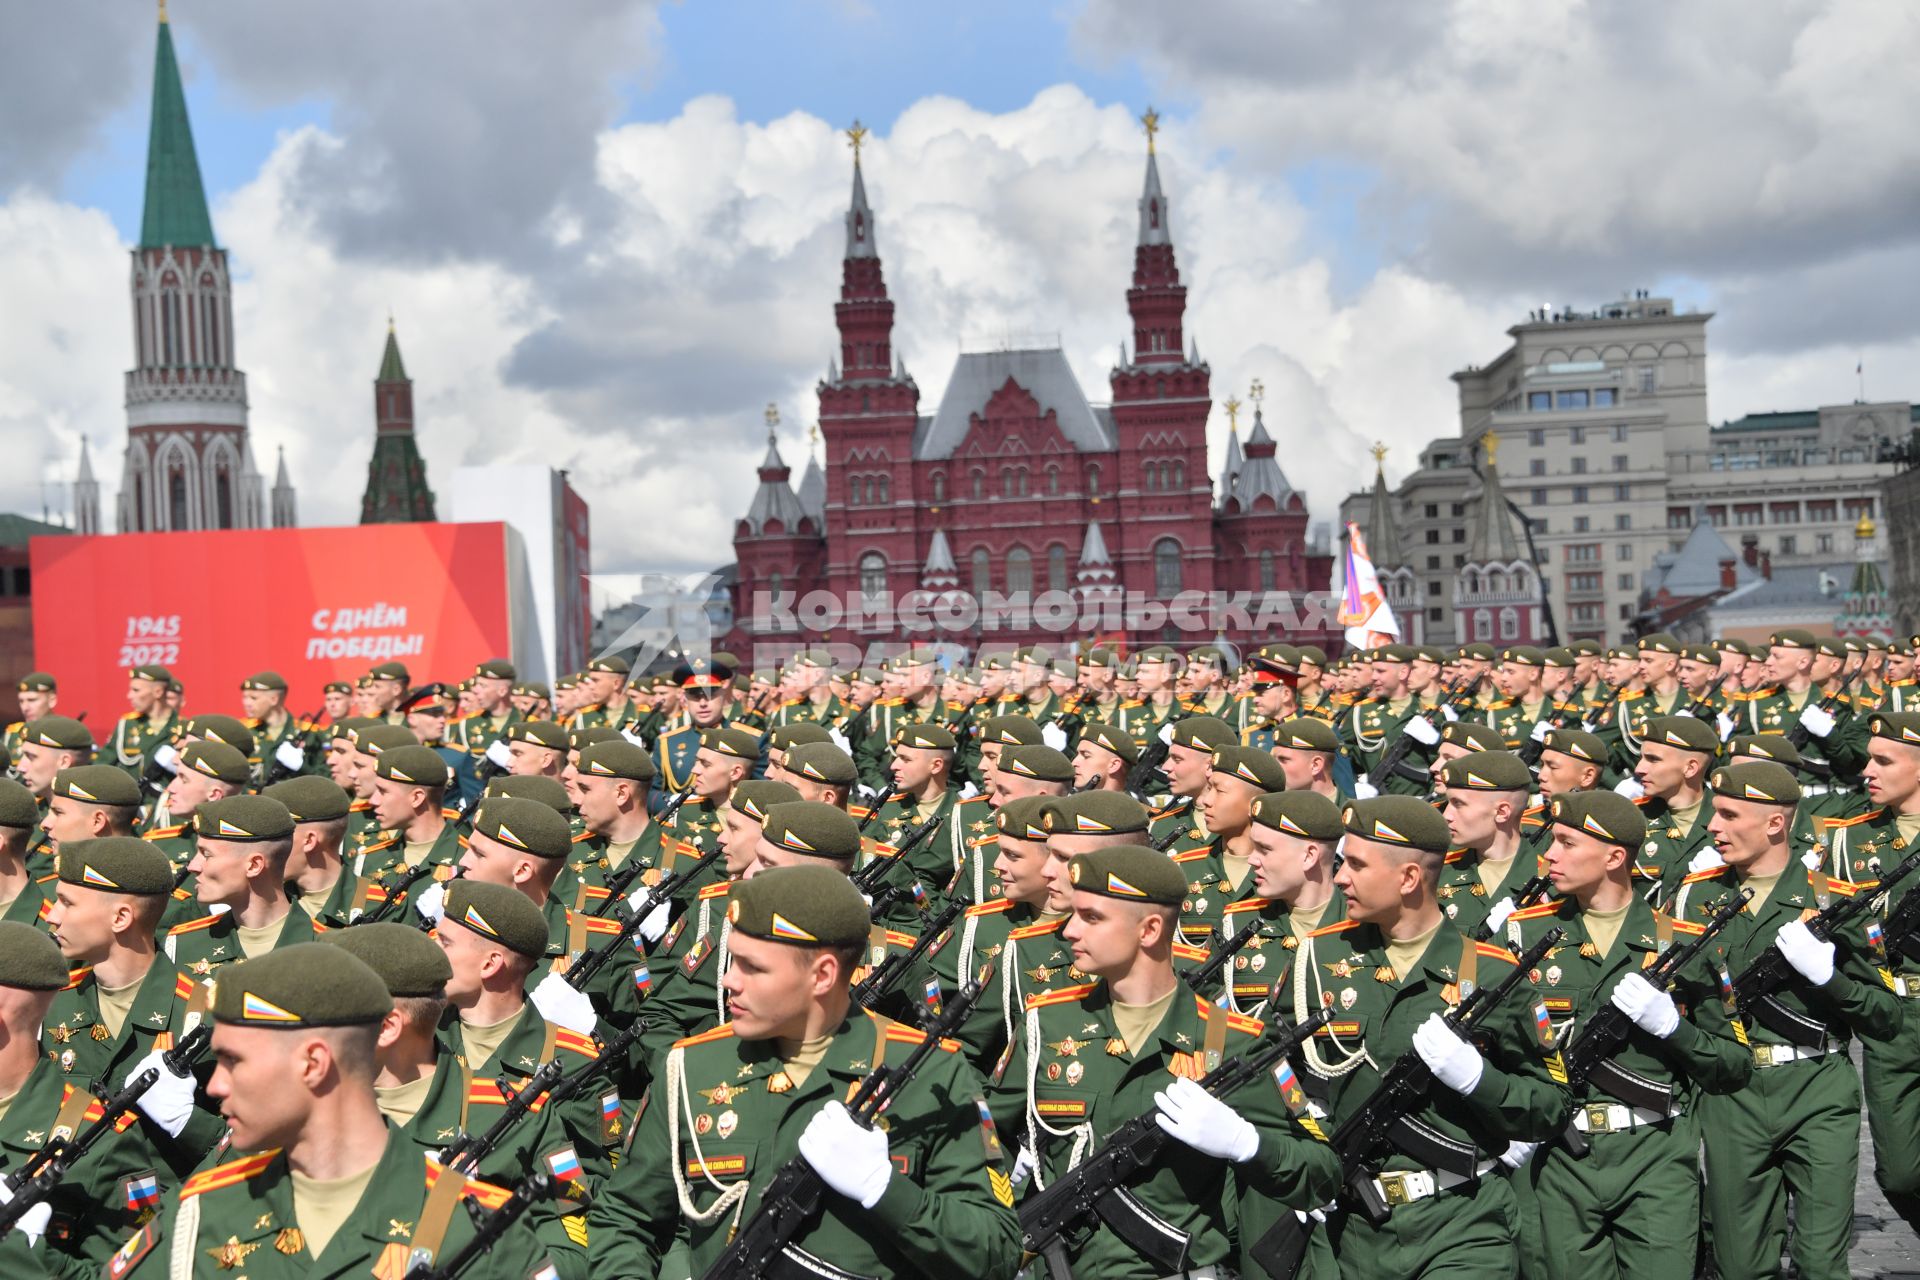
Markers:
(1469, 1232)
(1794, 1130)
(1629, 1208)
(1891, 1071)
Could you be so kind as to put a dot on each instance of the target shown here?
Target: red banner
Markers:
(312, 604)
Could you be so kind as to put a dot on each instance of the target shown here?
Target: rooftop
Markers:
(1042, 372)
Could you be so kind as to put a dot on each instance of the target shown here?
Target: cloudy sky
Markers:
(610, 232)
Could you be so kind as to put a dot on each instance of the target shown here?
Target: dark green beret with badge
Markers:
(1098, 656)
(499, 913)
(1024, 818)
(265, 682)
(389, 671)
(755, 796)
(1761, 781)
(1488, 771)
(18, 808)
(1306, 733)
(1613, 818)
(1586, 648)
(799, 733)
(1111, 737)
(1041, 763)
(496, 669)
(536, 787)
(1313, 655)
(1559, 657)
(97, 784)
(216, 760)
(1764, 746)
(1394, 653)
(37, 682)
(806, 906)
(1523, 655)
(336, 686)
(1791, 638)
(824, 763)
(1479, 651)
(612, 664)
(214, 727)
(1407, 821)
(63, 733)
(1130, 873)
(1659, 642)
(1202, 733)
(1685, 732)
(1305, 814)
(380, 736)
(1011, 731)
(615, 758)
(1473, 734)
(541, 733)
(150, 671)
(116, 864)
(812, 828)
(308, 984)
(587, 734)
(30, 959)
(312, 799)
(1093, 813)
(1250, 765)
(1700, 653)
(412, 965)
(245, 819)
(349, 727)
(415, 766)
(925, 737)
(1577, 743)
(1895, 726)
(741, 744)
(526, 826)
(1623, 652)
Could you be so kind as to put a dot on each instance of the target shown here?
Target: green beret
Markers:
(1098, 656)
(587, 734)
(37, 682)
(151, 671)
(60, 732)
(211, 726)
(18, 808)
(349, 727)
(97, 784)
(415, 765)
(1740, 647)
(741, 744)
(569, 681)
(1586, 648)
(1791, 638)
(1428, 653)
(410, 963)
(116, 864)
(813, 828)
(1686, 732)
(1202, 733)
(866, 675)
(1112, 738)
(1613, 818)
(216, 760)
(336, 686)
(926, 737)
(615, 758)
(1764, 746)
(380, 736)
(1623, 651)
(244, 819)
(1659, 642)
(1559, 657)
(800, 732)
(308, 984)
(1577, 743)
(1760, 780)
(534, 689)
(500, 913)
(1306, 814)
(1011, 731)
(822, 762)
(1895, 726)
(612, 664)
(1251, 765)
(755, 796)
(1041, 762)
(1523, 655)
(1479, 651)
(1473, 734)
(496, 669)
(1397, 653)
(541, 790)
(807, 906)
(389, 671)
(541, 733)
(1157, 653)
(1204, 656)
(1700, 653)
(1024, 819)
(1402, 820)
(1313, 655)
(1305, 733)
(1131, 873)
(1488, 771)
(1090, 813)
(524, 825)
(30, 959)
(311, 799)
(265, 682)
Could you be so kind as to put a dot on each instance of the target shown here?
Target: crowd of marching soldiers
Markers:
(1539, 963)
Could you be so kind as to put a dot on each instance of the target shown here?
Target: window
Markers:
(1006, 482)
(1053, 479)
(1458, 561)
(1620, 433)
(1538, 402)
(1537, 467)
(884, 484)
(939, 486)
(177, 497)
(1433, 511)
(1823, 543)
(1267, 580)
(873, 574)
(1605, 397)
(1459, 509)
(1433, 536)
(1434, 615)
(1580, 524)
(1857, 507)
(1679, 517)
(1535, 436)
(1056, 568)
(1624, 582)
(1539, 497)
(1583, 582)
(1622, 492)
(1166, 568)
(1179, 475)
(1433, 562)
(1093, 479)
(1583, 552)
(1784, 513)
(1623, 551)
(1570, 400)
(982, 571)
(1433, 588)
(1647, 378)
(1823, 512)
(223, 499)
(1576, 435)
(1620, 462)
(1717, 517)
(1746, 514)
(1459, 535)
(1788, 544)
(979, 483)
(1623, 521)
(774, 582)
(1509, 623)
(1019, 570)
(1579, 466)
(1579, 493)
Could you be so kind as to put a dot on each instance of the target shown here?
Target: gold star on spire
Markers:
(1232, 406)
(1379, 452)
(1152, 122)
(813, 437)
(856, 136)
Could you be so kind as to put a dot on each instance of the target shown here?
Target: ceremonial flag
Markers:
(1364, 611)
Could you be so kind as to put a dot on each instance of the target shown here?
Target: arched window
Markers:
(1006, 482)
(1053, 479)
(939, 486)
(1482, 625)
(1166, 568)
(1497, 582)
(873, 574)
(1151, 474)
(884, 488)
(979, 483)
(1179, 475)
(213, 327)
(855, 487)
(223, 498)
(1509, 623)
(982, 571)
(1020, 477)
(1019, 570)
(1093, 478)
(774, 582)
(1266, 571)
(177, 497)
(1056, 568)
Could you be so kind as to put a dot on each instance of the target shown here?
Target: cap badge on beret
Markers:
(1115, 885)
(79, 792)
(504, 834)
(1381, 831)
(788, 931)
(1081, 822)
(89, 876)
(255, 1008)
(474, 920)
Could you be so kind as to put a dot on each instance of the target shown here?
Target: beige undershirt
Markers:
(1136, 1022)
(799, 1059)
(482, 1042)
(322, 1208)
(6, 1105)
(617, 853)
(1604, 926)
(1303, 922)
(115, 1004)
(1762, 887)
(257, 942)
(1908, 825)
(1684, 818)
(400, 1103)
(1404, 955)
(311, 903)
(1492, 873)
(414, 852)
(1236, 868)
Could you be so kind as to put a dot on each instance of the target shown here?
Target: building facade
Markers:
(396, 491)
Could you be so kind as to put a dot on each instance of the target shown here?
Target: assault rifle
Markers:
(487, 1228)
(880, 803)
(548, 1081)
(867, 879)
(1097, 1187)
(1201, 975)
(1389, 762)
(1903, 928)
(396, 895)
(880, 979)
(1154, 753)
(792, 1200)
(1177, 810)
(1800, 735)
(591, 962)
(622, 880)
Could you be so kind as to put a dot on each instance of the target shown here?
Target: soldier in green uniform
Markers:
(84, 803)
(812, 699)
(1217, 872)
(1676, 755)
(1270, 699)
(317, 877)
(408, 792)
(1158, 705)
(703, 686)
(141, 731)
(604, 704)
(239, 863)
(37, 694)
(1377, 726)
(921, 773)
(1571, 760)
(494, 710)
(385, 683)
(263, 699)
(1486, 862)
(725, 757)
(1308, 752)
(336, 701)
(1294, 834)
(821, 771)
(206, 771)
(48, 745)
(1103, 757)
(612, 781)
(19, 819)
(1190, 744)
(917, 703)
(1623, 1198)
(1794, 1131)
(331, 1189)
(1823, 729)
(1388, 971)
(1523, 708)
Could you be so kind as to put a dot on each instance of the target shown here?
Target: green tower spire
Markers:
(176, 211)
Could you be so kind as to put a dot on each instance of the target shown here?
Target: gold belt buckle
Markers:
(1599, 1118)
(1763, 1055)
(1393, 1186)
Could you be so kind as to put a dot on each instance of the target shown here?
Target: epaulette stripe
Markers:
(1536, 911)
(1037, 930)
(1700, 877)
(600, 924)
(1246, 904)
(901, 939)
(194, 926)
(719, 890)
(1063, 995)
(183, 986)
(1831, 823)
(226, 1175)
(164, 833)
(77, 976)
(575, 1041)
(1491, 952)
(1326, 930)
(1688, 927)
(1846, 890)
(583, 837)
(722, 1032)
(993, 907)
(1244, 1022)
(1193, 855)
(1185, 951)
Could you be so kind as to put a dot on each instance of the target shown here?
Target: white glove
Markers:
(167, 757)
(969, 791)
(498, 754)
(290, 755)
(33, 1223)
(1421, 730)
(1166, 733)
(1497, 918)
(1630, 788)
(1724, 723)
(1652, 1010)
(1364, 790)
(169, 1103)
(850, 1159)
(1446, 709)
(1817, 720)
(561, 1005)
(1192, 1115)
(630, 736)
(1023, 1166)
(656, 922)
(1053, 736)
(1312, 1215)
(1811, 958)
(1688, 712)
(839, 740)
(1540, 731)
(1518, 1153)
(432, 903)
(1454, 1063)
(1708, 859)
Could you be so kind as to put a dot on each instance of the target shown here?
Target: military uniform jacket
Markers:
(599, 716)
(827, 714)
(1261, 975)
(1072, 1082)
(266, 741)
(1844, 749)
(532, 1042)
(695, 824)
(240, 1216)
(79, 1043)
(725, 1117)
(382, 851)
(978, 848)
(1708, 1049)
(1180, 816)
(1466, 900)
(1343, 967)
(199, 947)
(475, 733)
(936, 860)
(1669, 848)
(1005, 945)
(582, 884)
(135, 738)
(886, 716)
(1371, 728)
(1859, 998)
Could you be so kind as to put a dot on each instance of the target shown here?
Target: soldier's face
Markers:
(816, 790)
(1899, 664)
(596, 798)
(1695, 675)
(1825, 666)
(714, 774)
(1154, 677)
(1377, 878)
(472, 958)
(739, 840)
(490, 862)
(70, 819)
(1744, 830)
(1054, 873)
(1893, 774)
(1021, 866)
(1226, 803)
(255, 704)
(491, 691)
(35, 703)
(1107, 935)
(361, 773)
(384, 695)
(989, 764)
(255, 1070)
(395, 803)
(770, 986)
(82, 921)
(1275, 701)
(706, 705)
(912, 768)
(1298, 766)
(1662, 770)
(1579, 862)
(531, 760)
(188, 791)
(338, 704)
(38, 764)
(1091, 761)
(142, 695)
(222, 867)
(1186, 769)
(1472, 816)
(1562, 774)
(1012, 786)
(340, 763)
(428, 721)
(1279, 862)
